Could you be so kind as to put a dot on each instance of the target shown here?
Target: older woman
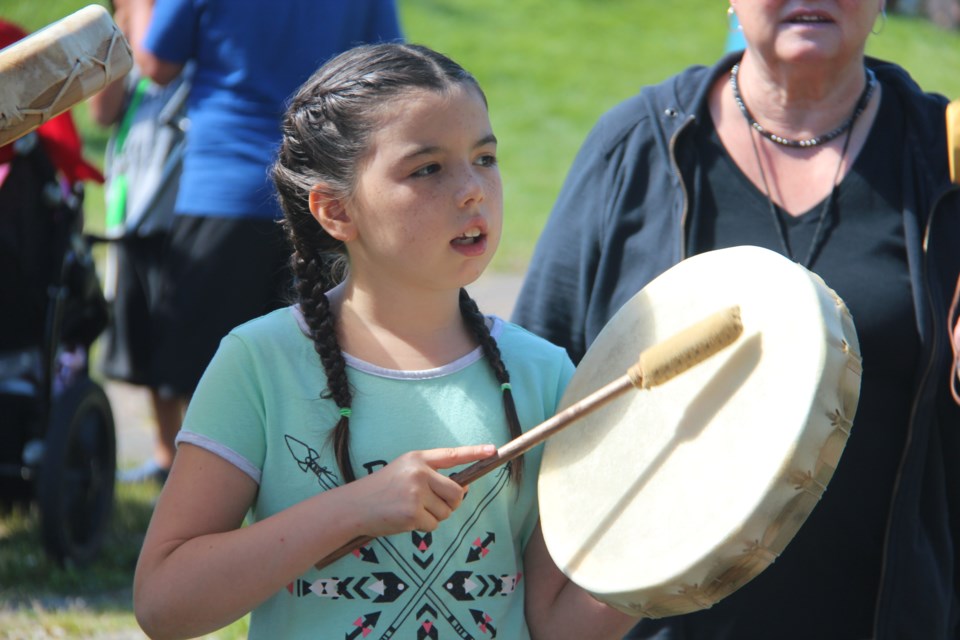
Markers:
(802, 145)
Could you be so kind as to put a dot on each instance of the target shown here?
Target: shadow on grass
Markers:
(29, 576)
(41, 599)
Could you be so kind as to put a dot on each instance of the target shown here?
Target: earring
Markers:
(733, 24)
(883, 23)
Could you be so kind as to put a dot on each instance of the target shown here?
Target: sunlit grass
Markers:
(551, 67)
(40, 599)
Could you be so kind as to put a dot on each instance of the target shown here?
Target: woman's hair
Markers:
(326, 136)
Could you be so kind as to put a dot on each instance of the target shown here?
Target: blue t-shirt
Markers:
(250, 57)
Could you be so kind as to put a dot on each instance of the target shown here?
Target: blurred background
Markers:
(549, 68)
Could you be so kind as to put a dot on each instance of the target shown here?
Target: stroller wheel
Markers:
(75, 484)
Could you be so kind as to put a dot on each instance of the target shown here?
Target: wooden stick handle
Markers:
(656, 365)
(953, 140)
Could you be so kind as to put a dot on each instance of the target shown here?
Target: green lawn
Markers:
(550, 68)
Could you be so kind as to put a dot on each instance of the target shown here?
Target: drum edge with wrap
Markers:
(48, 72)
(669, 499)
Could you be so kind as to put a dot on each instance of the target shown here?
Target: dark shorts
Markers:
(127, 343)
(218, 273)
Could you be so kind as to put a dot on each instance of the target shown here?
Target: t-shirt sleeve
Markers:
(226, 414)
(172, 34)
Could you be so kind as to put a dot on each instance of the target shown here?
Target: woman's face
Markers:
(799, 31)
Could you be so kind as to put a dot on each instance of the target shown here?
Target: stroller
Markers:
(57, 438)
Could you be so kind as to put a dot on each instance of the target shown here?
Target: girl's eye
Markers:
(487, 160)
(426, 171)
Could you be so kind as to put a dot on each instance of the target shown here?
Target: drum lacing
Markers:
(697, 595)
(757, 551)
(806, 482)
(840, 422)
(78, 66)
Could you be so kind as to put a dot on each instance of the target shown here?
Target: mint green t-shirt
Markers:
(259, 406)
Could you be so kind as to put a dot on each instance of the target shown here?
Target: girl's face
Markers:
(427, 211)
(807, 31)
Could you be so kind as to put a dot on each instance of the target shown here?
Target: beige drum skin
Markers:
(668, 499)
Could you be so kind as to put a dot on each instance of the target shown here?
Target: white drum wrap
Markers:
(51, 70)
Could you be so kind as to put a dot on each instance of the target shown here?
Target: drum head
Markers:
(667, 499)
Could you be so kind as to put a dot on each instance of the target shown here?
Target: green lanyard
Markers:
(117, 197)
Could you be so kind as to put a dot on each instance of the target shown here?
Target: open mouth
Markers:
(470, 237)
(808, 18)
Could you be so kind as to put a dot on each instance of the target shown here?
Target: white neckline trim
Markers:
(496, 329)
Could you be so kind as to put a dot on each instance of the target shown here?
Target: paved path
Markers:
(495, 293)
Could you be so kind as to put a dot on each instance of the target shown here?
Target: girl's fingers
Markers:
(455, 456)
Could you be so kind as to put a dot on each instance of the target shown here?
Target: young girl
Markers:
(343, 416)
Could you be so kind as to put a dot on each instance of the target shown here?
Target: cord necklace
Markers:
(847, 128)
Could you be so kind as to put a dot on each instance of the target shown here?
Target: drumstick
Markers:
(49, 71)
(953, 140)
(657, 364)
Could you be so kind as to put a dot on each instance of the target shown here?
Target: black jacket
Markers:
(620, 221)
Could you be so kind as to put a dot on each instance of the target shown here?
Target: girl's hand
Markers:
(410, 493)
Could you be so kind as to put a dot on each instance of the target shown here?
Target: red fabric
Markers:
(58, 135)
(10, 33)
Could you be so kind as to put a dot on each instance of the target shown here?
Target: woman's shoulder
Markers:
(923, 110)
(658, 106)
(914, 97)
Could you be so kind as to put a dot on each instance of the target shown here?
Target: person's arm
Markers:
(557, 609)
(106, 106)
(158, 69)
(131, 16)
(195, 543)
(162, 72)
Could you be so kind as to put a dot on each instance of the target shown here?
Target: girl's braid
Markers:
(477, 324)
(316, 311)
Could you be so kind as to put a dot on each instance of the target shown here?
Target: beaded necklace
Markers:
(809, 142)
(812, 142)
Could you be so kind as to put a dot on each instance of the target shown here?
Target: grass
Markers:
(550, 68)
(39, 598)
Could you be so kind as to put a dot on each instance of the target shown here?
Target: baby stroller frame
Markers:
(57, 436)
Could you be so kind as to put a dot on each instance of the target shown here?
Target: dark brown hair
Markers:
(326, 134)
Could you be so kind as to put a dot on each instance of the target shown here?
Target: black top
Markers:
(833, 564)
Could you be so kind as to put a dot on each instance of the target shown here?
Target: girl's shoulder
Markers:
(515, 340)
(283, 326)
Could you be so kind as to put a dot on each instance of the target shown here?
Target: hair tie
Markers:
(505, 387)
(345, 412)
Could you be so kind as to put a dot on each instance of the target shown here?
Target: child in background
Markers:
(340, 416)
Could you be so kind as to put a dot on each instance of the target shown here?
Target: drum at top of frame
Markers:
(48, 72)
(666, 500)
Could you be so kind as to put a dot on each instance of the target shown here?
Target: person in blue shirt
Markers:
(226, 261)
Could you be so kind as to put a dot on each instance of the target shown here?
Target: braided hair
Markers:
(326, 134)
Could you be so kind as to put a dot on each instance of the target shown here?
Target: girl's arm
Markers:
(199, 570)
(558, 609)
